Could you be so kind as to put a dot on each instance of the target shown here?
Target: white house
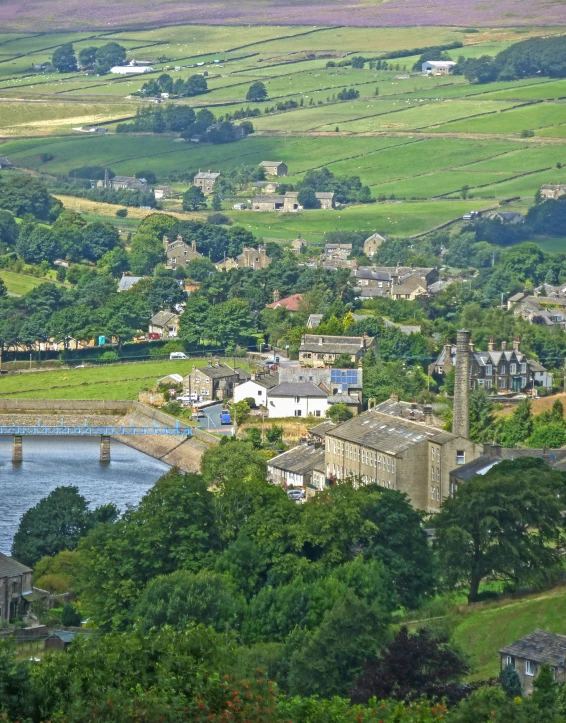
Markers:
(256, 388)
(299, 399)
(438, 67)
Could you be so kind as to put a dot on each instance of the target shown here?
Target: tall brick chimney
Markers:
(461, 419)
(491, 344)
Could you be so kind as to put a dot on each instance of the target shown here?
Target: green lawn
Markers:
(19, 283)
(119, 381)
(486, 629)
(515, 120)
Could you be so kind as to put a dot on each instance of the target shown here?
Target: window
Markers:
(530, 667)
(502, 383)
(488, 370)
(512, 369)
(14, 588)
(488, 383)
(317, 413)
(460, 457)
(432, 453)
(432, 473)
(297, 400)
(438, 473)
(259, 392)
(523, 368)
(502, 369)
(298, 413)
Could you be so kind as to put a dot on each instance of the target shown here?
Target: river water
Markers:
(51, 462)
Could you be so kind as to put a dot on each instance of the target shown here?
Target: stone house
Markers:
(215, 381)
(206, 181)
(16, 581)
(372, 243)
(529, 653)
(164, 323)
(510, 217)
(123, 183)
(322, 351)
(127, 281)
(409, 288)
(504, 370)
(401, 454)
(298, 245)
(253, 258)
(226, 265)
(295, 467)
(179, 253)
(288, 202)
(532, 310)
(274, 168)
(267, 186)
(552, 191)
(396, 282)
(297, 399)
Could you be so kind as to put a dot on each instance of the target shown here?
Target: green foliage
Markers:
(70, 616)
(505, 522)
(193, 199)
(56, 523)
(339, 412)
(257, 91)
(64, 58)
(26, 195)
(182, 598)
(510, 682)
(108, 56)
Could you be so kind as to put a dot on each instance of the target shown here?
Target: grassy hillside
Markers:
(486, 629)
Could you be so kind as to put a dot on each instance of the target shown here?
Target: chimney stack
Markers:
(491, 344)
(447, 357)
(276, 295)
(394, 397)
(503, 346)
(363, 341)
(461, 419)
(517, 343)
(472, 346)
(165, 243)
(427, 410)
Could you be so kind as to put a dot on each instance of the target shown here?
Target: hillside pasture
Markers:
(510, 120)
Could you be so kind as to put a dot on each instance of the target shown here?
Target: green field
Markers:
(118, 381)
(512, 120)
(20, 284)
(484, 630)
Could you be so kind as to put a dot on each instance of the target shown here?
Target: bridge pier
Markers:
(17, 449)
(104, 448)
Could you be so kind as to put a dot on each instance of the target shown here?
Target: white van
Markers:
(177, 355)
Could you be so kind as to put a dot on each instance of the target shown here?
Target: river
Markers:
(51, 462)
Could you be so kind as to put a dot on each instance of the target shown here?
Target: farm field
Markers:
(117, 381)
(392, 218)
(512, 120)
(525, 186)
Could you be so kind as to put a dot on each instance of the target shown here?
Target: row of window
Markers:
(435, 493)
(435, 474)
(315, 413)
(489, 369)
(530, 666)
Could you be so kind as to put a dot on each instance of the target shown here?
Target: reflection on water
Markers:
(50, 462)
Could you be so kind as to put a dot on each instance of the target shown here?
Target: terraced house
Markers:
(322, 351)
(16, 581)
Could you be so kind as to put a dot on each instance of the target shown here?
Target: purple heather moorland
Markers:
(76, 14)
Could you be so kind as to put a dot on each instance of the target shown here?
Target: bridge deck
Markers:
(92, 431)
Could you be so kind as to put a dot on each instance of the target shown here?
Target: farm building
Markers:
(274, 168)
(289, 201)
(546, 192)
(438, 67)
(132, 68)
(372, 243)
(206, 181)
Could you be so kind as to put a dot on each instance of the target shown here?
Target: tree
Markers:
(327, 661)
(8, 230)
(339, 413)
(193, 199)
(99, 238)
(87, 56)
(257, 91)
(182, 598)
(307, 197)
(26, 195)
(240, 411)
(56, 523)
(40, 244)
(196, 85)
(510, 682)
(344, 361)
(108, 56)
(545, 689)
(233, 461)
(216, 202)
(200, 269)
(506, 522)
(64, 58)
(412, 666)
(70, 616)
(358, 61)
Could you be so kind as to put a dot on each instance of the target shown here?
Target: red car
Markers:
(153, 335)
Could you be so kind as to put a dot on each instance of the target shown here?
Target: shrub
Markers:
(108, 357)
(122, 212)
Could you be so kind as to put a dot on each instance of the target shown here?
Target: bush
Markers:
(108, 357)
(527, 134)
(70, 616)
(122, 212)
(219, 219)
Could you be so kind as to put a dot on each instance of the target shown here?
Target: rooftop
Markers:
(271, 163)
(217, 371)
(291, 303)
(10, 567)
(126, 282)
(379, 431)
(163, 317)
(320, 430)
(297, 389)
(210, 176)
(300, 459)
(539, 646)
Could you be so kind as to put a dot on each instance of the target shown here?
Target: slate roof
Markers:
(334, 344)
(209, 176)
(297, 389)
(406, 410)
(539, 646)
(269, 198)
(126, 282)
(65, 635)
(320, 430)
(217, 372)
(268, 164)
(178, 378)
(162, 318)
(324, 194)
(392, 436)
(342, 399)
(375, 275)
(267, 381)
(300, 460)
(10, 567)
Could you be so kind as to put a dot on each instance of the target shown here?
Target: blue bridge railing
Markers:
(87, 430)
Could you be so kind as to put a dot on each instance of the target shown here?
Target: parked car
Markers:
(185, 400)
(177, 355)
(154, 335)
(239, 207)
(225, 417)
(296, 494)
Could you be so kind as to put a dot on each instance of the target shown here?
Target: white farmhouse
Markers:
(438, 67)
(131, 69)
(297, 400)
